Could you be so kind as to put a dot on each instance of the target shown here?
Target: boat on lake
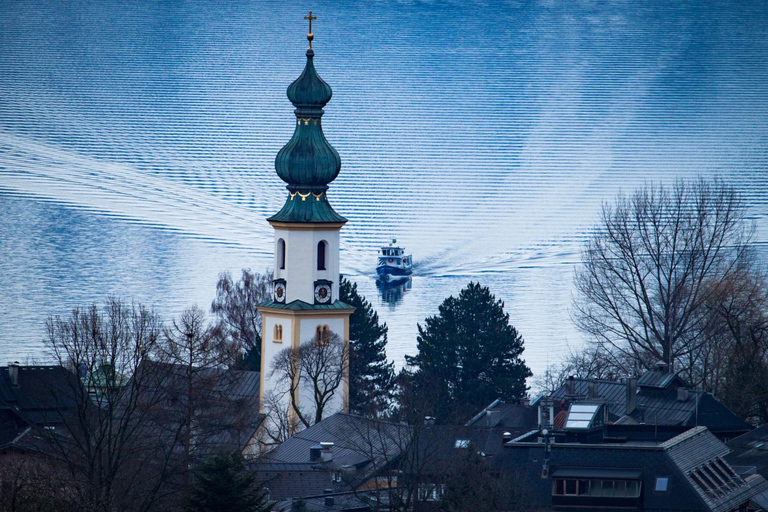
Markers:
(393, 262)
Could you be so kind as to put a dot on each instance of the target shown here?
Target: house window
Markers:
(596, 488)
(281, 254)
(277, 337)
(431, 492)
(323, 335)
(321, 248)
(661, 484)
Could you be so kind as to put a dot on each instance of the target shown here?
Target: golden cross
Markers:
(310, 35)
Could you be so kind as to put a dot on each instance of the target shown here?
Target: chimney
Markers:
(546, 413)
(348, 472)
(326, 453)
(492, 418)
(661, 366)
(593, 395)
(429, 421)
(682, 394)
(314, 453)
(631, 396)
(570, 390)
(13, 373)
(329, 501)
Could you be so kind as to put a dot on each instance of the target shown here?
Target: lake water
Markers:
(137, 142)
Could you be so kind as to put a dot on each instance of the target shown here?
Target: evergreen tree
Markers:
(371, 376)
(225, 485)
(471, 352)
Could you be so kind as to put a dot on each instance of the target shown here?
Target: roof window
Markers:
(462, 443)
(583, 416)
(715, 478)
(662, 484)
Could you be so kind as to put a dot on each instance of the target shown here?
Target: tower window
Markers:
(321, 247)
(323, 335)
(281, 254)
(278, 334)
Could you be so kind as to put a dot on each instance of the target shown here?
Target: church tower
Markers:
(305, 304)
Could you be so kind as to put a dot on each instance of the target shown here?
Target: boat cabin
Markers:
(391, 251)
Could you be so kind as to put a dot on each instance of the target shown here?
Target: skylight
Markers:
(581, 416)
(462, 443)
(661, 484)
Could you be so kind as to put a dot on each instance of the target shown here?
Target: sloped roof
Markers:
(661, 406)
(41, 394)
(614, 393)
(693, 448)
(227, 408)
(697, 448)
(356, 440)
(300, 305)
(513, 418)
(659, 380)
(750, 450)
(368, 445)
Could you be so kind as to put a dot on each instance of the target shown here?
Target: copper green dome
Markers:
(309, 93)
(308, 162)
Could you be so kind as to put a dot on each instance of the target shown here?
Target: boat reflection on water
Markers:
(392, 291)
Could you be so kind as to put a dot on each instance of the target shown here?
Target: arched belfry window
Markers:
(323, 335)
(281, 253)
(321, 248)
(278, 334)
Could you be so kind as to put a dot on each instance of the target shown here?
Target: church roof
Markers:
(300, 305)
(309, 207)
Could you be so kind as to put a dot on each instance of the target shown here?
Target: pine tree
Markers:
(471, 352)
(225, 485)
(371, 376)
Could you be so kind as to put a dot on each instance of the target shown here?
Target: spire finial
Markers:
(310, 35)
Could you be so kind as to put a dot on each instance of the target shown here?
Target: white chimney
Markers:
(13, 373)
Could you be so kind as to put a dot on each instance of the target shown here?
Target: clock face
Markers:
(322, 293)
(279, 292)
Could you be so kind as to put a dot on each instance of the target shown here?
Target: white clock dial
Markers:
(322, 293)
(280, 292)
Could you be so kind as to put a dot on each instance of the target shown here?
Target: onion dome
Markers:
(309, 93)
(308, 162)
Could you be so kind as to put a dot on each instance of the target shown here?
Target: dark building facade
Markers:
(617, 469)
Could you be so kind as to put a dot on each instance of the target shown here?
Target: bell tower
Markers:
(305, 301)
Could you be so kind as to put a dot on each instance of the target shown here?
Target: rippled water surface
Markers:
(137, 142)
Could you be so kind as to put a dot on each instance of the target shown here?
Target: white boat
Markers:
(393, 262)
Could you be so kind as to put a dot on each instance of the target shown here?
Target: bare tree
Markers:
(314, 371)
(400, 458)
(281, 423)
(107, 406)
(235, 307)
(203, 398)
(733, 362)
(654, 263)
(592, 362)
(33, 483)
